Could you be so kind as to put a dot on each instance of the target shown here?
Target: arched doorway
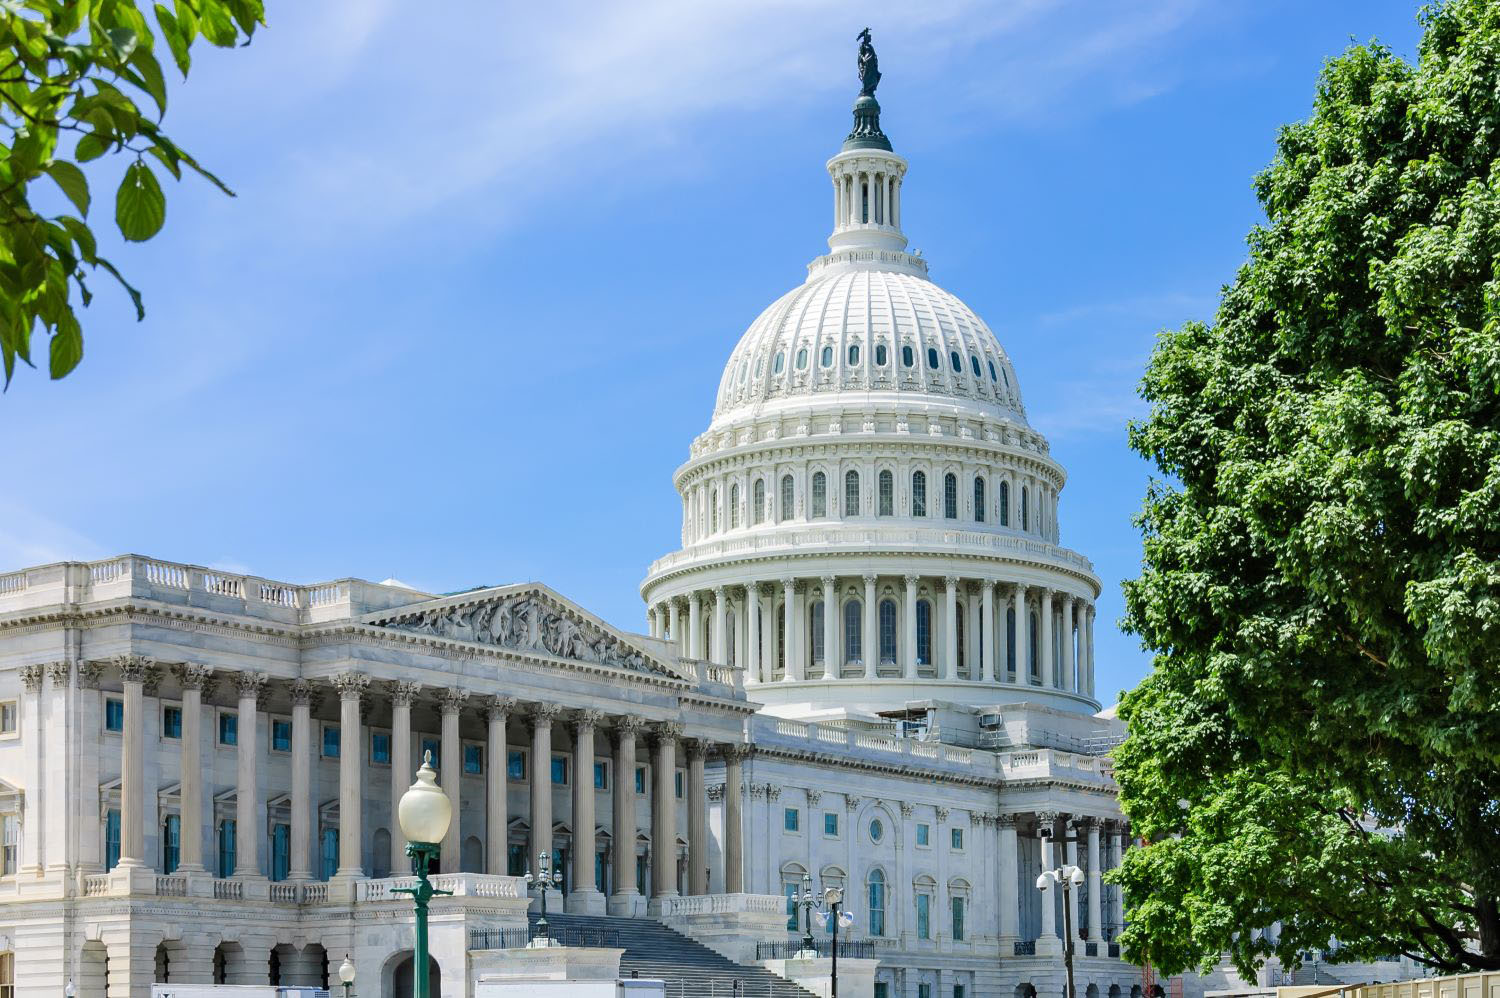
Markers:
(93, 970)
(400, 977)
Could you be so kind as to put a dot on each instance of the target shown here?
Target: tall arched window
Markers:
(851, 493)
(877, 903)
(918, 493)
(734, 505)
(887, 630)
(786, 497)
(1010, 640)
(854, 621)
(758, 501)
(713, 510)
(781, 638)
(907, 358)
(827, 358)
(958, 629)
(924, 632)
(979, 498)
(950, 496)
(1004, 504)
(729, 637)
(819, 494)
(932, 358)
(1031, 647)
(815, 631)
(887, 494)
(1025, 512)
(171, 843)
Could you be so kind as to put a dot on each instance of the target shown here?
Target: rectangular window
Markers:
(601, 776)
(791, 819)
(229, 728)
(882, 989)
(958, 991)
(171, 722)
(330, 857)
(515, 860)
(435, 747)
(11, 828)
(789, 890)
(281, 851)
(281, 735)
(330, 741)
(226, 848)
(924, 909)
(958, 838)
(640, 875)
(924, 990)
(560, 770)
(114, 715)
(924, 833)
(640, 781)
(473, 760)
(171, 843)
(111, 838)
(380, 748)
(515, 766)
(8, 717)
(601, 870)
(831, 824)
(958, 918)
(677, 784)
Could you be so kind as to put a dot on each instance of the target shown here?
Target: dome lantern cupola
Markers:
(866, 173)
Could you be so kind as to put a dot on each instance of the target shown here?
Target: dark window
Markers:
(560, 770)
(918, 493)
(229, 729)
(1025, 511)
(778, 363)
(908, 359)
(114, 715)
(815, 631)
(171, 843)
(956, 361)
(924, 632)
(979, 498)
(974, 365)
(888, 630)
(281, 735)
(474, 759)
(791, 819)
(1010, 639)
(853, 355)
(601, 776)
(331, 741)
(827, 359)
(950, 496)
(758, 501)
(851, 493)
(992, 370)
(786, 497)
(853, 630)
(802, 358)
(886, 494)
(515, 766)
(171, 722)
(1004, 504)
(932, 358)
(640, 780)
(880, 356)
(819, 494)
(380, 748)
(111, 838)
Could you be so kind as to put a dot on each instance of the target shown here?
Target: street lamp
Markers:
(1068, 877)
(834, 919)
(346, 975)
(70, 991)
(424, 813)
(807, 902)
(546, 877)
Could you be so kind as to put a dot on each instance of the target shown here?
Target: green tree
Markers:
(1318, 743)
(74, 76)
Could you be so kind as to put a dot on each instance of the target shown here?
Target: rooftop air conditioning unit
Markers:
(989, 721)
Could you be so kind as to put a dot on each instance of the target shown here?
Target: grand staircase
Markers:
(690, 969)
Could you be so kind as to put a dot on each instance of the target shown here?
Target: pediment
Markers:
(527, 618)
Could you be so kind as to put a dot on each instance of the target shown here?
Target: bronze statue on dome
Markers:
(869, 66)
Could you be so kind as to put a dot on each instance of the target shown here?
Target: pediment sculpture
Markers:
(526, 623)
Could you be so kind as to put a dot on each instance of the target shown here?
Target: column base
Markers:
(585, 902)
(1049, 946)
(656, 904)
(626, 904)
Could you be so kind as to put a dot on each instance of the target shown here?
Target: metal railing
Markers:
(1025, 947)
(787, 949)
(518, 938)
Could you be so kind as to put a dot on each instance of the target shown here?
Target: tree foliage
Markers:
(79, 80)
(1318, 743)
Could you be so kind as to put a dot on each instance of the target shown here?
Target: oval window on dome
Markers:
(827, 360)
(880, 357)
(992, 370)
(744, 370)
(906, 357)
(932, 360)
(776, 364)
(760, 366)
(877, 830)
(974, 365)
(801, 358)
(853, 356)
(956, 361)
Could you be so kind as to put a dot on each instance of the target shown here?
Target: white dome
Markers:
(870, 329)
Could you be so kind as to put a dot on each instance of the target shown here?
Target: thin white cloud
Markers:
(29, 537)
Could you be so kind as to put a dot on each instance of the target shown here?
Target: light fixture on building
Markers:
(346, 976)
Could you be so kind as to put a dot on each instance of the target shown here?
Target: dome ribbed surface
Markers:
(824, 338)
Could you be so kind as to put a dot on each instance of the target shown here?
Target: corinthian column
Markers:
(451, 702)
(542, 716)
(697, 808)
(623, 898)
(752, 633)
(585, 898)
(871, 620)
(734, 819)
(351, 686)
(1096, 909)
(695, 625)
(402, 694)
(832, 653)
(1067, 643)
(1009, 883)
(720, 653)
(1023, 636)
(1047, 941)
(911, 627)
(987, 631)
(192, 678)
(497, 812)
(252, 686)
(664, 815)
(299, 866)
(133, 672)
(1048, 665)
(948, 667)
(674, 626)
(789, 650)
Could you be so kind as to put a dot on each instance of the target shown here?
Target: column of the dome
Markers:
(651, 621)
(1067, 642)
(674, 624)
(752, 632)
(948, 668)
(832, 653)
(1045, 664)
(871, 637)
(1090, 634)
(910, 669)
(987, 626)
(975, 633)
(695, 625)
(789, 635)
(1023, 633)
(720, 653)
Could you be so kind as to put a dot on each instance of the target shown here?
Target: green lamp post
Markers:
(424, 814)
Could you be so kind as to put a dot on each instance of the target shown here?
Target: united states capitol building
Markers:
(869, 665)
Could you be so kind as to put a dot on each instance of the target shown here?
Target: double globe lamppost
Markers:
(424, 814)
(1067, 877)
(835, 919)
(546, 878)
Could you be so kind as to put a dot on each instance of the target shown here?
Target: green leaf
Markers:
(71, 180)
(90, 147)
(151, 78)
(140, 207)
(135, 296)
(83, 237)
(177, 41)
(124, 41)
(67, 347)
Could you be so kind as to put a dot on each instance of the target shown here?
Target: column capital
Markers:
(192, 676)
(629, 724)
(1045, 821)
(31, 677)
(827, 580)
(351, 685)
(736, 752)
(543, 714)
(452, 699)
(907, 809)
(696, 748)
(911, 578)
(666, 731)
(950, 581)
(988, 585)
(303, 692)
(1004, 821)
(403, 692)
(788, 583)
(696, 596)
(718, 592)
(942, 814)
(89, 673)
(814, 797)
(585, 721)
(852, 802)
(133, 668)
(59, 673)
(1089, 822)
(251, 685)
(498, 707)
(870, 578)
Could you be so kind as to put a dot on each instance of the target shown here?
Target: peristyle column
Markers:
(191, 678)
(734, 818)
(664, 813)
(752, 633)
(789, 639)
(246, 792)
(697, 801)
(695, 625)
(987, 630)
(871, 638)
(1067, 643)
(299, 862)
(1046, 664)
(402, 695)
(949, 665)
(585, 898)
(351, 687)
(496, 807)
(1023, 636)
(720, 653)
(832, 652)
(910, 667)
(451, 772)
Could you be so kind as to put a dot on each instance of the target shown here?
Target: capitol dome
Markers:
(869, 521)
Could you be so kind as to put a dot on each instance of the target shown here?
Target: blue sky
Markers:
(474, 297)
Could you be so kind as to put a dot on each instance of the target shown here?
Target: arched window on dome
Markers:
(734, 505)
(758, 502)
(932, 358)
(880, 355)
(958, 632)
(777, 364)
(1031, 648)
(1004, 504)
(827, 360)
(992, 370)
(924, 632)
(979, 498)
(744, 370)
(887, 494)
(918, 493)
(887, 632)
(974, 365)
(950, 496)
(802, 358)
(1025, 509)
(729, 642)
(908, 359)
(781, 639)
(853, 355)
(713, 510)
(787, 507)
(851, 493)
(956, 361)
(760, 366)
(1010, 640)
(815, 632)
(854, 628)
(819, 494)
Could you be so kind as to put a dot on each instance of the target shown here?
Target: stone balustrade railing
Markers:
(461, 884)
(723, 904)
